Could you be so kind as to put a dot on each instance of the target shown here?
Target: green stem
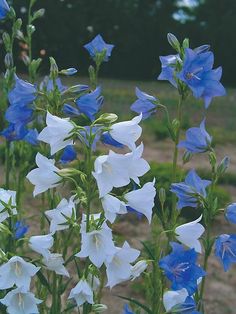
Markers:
(7, 161)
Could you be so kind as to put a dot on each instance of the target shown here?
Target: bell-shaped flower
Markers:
(181, 269)
(58, 216)
(96, 244)
(142, 200)
(118, 264)
(112, 206)
(4, 9)
(7, 204)
(189, 190)
(21, 301)
(19, 114)
(198, 75)
(16, 272)
(197, 139)
(231, 213)
(173, 298)
(54, 262)
(127, 132)
(89, 104)
(41, 244)
(145, 104)
(20, 229)
(23, 93)
(98, 46)
(82, 293)
(138, 269)
(45, 176)
(168, 64)
(56, 133)
(225, 250)
(189, 234)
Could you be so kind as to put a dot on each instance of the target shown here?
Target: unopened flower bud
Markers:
(107, 118)
(187, 157)
(30, 29)
(173, 41)
(8, 60)
(99, 308)
(201, 49)
(138, 269)
(212, 159)
(53, 68)
(68, 72)
(186, 43)
(38, 14)
(6, 40)
(76, 89)
(223, 166)
(162, 196)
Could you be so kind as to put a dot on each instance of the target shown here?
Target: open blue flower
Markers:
(225, 250)
(127, 310)
(181, 269)
(4, 9)
(14, 132)
(188, 191)
(20, 229)
(90, 104)
(231, 213)
(197, 139)
(23, 93)
(145, 104)
(97, 46)
(19, 113)
(198, 75)
(69, 154)
(168, 65)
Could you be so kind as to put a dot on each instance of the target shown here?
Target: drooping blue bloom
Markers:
(19, 113)
(69, 154)
(14, 132)
(181, 269)
(97, 46)
(188, 307)
(4, 9)
(107, 139)
(20, 229)
(90, 103)
(32, 137)
(231, 213)
(197, 139)
(127, 310)
(23, 93)
(188, 191)
(198, 75)
(225, 250)
(145, 104)
(168, 65)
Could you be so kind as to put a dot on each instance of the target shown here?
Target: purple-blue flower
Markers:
(31, 137)
(145, 104)
(69, 154)
(189, 190)
(231, 213)
(20, 229)
(127, 310)
(90, 103)
(197, 139)
(4, 9)
(107, 139)
(14, 132)
(225, 250)
(181, 269)
(198, 75)
(97, 46)
(19, 113)
(168, 65)
(23, 93)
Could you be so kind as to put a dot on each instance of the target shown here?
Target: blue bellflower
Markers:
(4, 9)
(225, 250)
(145, 104)
(181, 269)
(19, 113)
(68, 155)
(197, 139)
(14, 132)
(90, 103)
(32, 137)
(168, 64)
(97, 46)
(188, 191)
(198, 75)
(127, 310)
(20, 229)
(23, 93)
(231, 213)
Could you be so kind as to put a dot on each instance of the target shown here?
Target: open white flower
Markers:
(42, 244)
(20, 301)
(82, 293)
(44, 177)
(58, 215)
(127, 132)
(54, 262)
(7, 196)
(17, 272)
(97, 245)
(118, 267)
(113, 206)
(172, 298)
(116, 170)
(189, 233)
(55, 133)
(142, 200)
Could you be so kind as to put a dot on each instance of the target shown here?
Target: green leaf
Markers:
(148, 250)
(144, 307)
(43, 280)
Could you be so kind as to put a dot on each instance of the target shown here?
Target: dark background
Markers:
(137, 28)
